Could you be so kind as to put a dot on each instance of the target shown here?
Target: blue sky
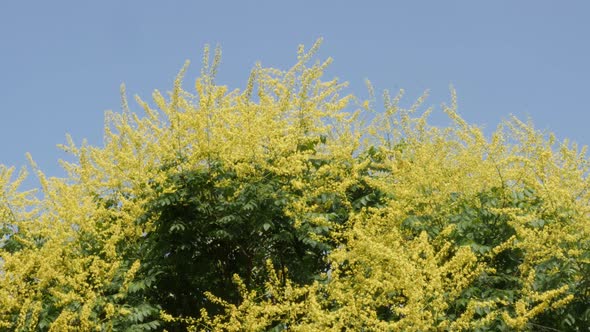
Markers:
(61, 62)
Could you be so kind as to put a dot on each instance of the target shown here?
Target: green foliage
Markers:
(214, 225)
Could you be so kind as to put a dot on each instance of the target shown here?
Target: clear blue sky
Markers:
(61, 62)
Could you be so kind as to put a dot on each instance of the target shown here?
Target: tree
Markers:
(277, 208)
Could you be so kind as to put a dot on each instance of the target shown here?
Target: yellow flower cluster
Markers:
(412, 259)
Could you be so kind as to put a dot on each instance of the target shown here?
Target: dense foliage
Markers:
(278, 208)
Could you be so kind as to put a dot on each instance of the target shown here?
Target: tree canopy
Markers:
(289, 205)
